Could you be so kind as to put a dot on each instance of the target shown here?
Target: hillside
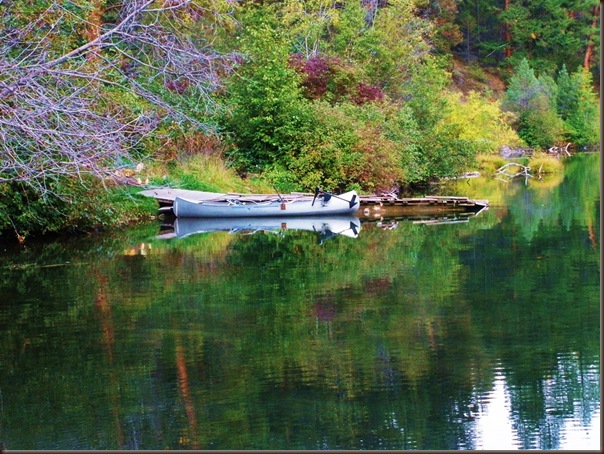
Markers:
(466, 78)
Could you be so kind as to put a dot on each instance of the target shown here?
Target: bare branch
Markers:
(58, 117)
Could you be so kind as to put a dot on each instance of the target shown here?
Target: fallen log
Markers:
(523, 171)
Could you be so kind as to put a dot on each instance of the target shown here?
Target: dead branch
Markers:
(523, 171)
(57, 117)
(559, 150)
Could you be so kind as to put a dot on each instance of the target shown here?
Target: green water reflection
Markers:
(399, 338)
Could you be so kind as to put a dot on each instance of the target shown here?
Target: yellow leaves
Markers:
(480, 120)
(308, 18)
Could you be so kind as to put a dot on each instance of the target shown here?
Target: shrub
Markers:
(374, 163)
(481, 121)
(488, 164)
(349, 149)
(85, 204)
(446, 154)
(540, 127)
(267, 117)
(542, 163)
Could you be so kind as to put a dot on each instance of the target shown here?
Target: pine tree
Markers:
(534, 101)
(567, 94)
(549, 33)
(523, 88)
(582, 119)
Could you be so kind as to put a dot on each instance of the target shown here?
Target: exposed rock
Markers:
(508, 152)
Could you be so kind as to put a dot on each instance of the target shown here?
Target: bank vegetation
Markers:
(100, 97)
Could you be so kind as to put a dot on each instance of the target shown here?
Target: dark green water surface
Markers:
(482, 334)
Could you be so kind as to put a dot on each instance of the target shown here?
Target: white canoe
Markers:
(349, 226)
(324, 204)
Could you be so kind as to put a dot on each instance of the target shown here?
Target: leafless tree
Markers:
(56, 116)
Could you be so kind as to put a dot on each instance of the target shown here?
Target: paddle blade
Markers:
(353, 201)
(315, 197)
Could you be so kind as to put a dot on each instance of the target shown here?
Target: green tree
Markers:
(549, 33)
(534, 101)
(581, 114)
(267, 116)
(567, 93)
(480, 28)
(443, 14)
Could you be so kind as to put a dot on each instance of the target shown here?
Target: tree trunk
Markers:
(590, 45)
(507, 36)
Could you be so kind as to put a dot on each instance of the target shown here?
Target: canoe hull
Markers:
(346, 203)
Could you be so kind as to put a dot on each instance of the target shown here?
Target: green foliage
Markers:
(542, 163)
(549, 33)
(481, 121)
(267, 118)
(84, 205)
(423, 92)
(443, 14)
(403, 129)
(350, 149)
(394, 42)
(489, 163)
(579, 107)
(551, 111)
(325, 158)
(534, 101)
(447, 154)
(523, 88)
(567, 99)
(540, 127)
(347, 32)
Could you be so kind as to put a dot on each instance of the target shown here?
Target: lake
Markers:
(473, 333)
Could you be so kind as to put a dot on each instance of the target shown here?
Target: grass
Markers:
(489, 163)
(205, 173)
(542, 163)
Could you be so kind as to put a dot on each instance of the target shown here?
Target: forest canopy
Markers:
(357, 94)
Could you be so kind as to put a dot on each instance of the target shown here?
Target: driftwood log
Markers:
(523, 171)
(559, 150)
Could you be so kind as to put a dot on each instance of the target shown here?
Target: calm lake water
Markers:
(482, 334)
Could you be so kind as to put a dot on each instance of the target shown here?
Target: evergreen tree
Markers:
(523, 88)
(582, 118)
(266, 113)
(534, 101)
(567, 94)
(549, 33)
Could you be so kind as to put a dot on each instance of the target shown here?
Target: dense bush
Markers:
(84, 205)
(481, 122)
(266, 116)
(342, 95)
(346, 150)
